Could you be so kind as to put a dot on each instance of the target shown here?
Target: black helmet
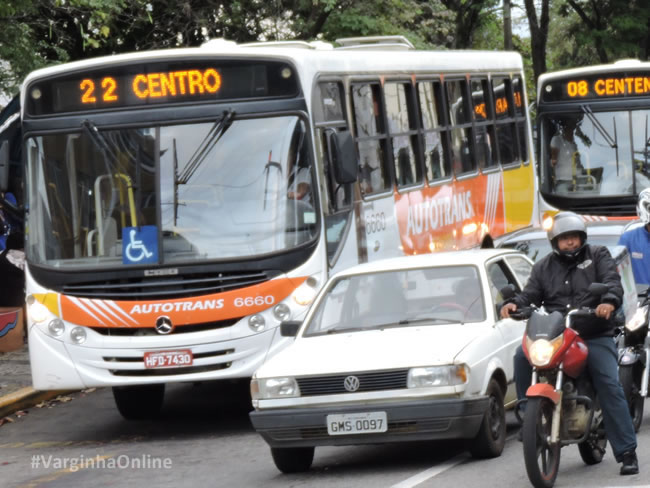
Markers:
(567, 223)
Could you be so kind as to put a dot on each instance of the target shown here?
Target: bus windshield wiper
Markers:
(211, 139)
(336, 330)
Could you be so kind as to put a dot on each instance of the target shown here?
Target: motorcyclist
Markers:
(637, 241)
(560, 282)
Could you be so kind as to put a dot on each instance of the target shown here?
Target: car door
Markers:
(512, 269)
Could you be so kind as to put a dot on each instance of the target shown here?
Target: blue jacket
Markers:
(637, 241)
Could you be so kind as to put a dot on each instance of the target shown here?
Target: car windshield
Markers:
(229, 188)
(399, 298)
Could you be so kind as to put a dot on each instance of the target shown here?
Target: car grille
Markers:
(335, 384)
(400, 427)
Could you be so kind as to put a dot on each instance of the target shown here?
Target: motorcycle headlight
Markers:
(541, 351)
(450, 375)
(266, 388)
(638, 319)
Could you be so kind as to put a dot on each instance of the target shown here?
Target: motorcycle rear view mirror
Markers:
(598, 289)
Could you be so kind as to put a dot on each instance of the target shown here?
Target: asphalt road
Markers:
(204, 438)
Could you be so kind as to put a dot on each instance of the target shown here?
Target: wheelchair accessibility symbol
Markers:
(140, 244)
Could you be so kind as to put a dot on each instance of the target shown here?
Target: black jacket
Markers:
(560, 284)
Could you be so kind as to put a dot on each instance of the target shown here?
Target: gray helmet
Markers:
(567, 223)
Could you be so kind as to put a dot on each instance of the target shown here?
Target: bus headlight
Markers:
(256, 323)
(282, 312)
(36, 310)
(266, 388)
(438, 376)
(78, 335)
(56, 327)
(306, 292)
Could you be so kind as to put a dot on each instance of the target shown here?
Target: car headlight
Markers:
(638, 319)
(450, 375)
(266, 388)
(541, 351)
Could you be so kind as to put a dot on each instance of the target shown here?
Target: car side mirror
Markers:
(290, 328)
(598, 289)
(508, 291)
(342, 156)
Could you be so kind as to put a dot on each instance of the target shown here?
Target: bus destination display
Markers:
(160, 83)
(599, 86)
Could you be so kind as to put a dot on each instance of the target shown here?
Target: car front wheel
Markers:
(491, 436)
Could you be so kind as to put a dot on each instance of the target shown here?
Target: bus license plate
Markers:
(357, 423)
(168, 359)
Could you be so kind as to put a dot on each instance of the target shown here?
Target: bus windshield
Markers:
(591, 153)
(229, 188)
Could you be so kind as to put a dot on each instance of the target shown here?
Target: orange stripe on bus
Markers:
(182, 311)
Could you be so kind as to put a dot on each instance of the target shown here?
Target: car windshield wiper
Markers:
(414, 321)
(337, 330)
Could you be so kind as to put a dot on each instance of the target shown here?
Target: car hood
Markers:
(392, 348)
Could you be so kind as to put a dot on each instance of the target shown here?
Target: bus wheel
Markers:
(292, 459)
(139, 402)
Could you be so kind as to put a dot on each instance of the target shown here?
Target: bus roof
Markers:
(317, 57)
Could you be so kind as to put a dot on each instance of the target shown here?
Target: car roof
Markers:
(447, 258)
(606, 227)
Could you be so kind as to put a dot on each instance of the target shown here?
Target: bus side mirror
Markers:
(290, 328)
(4, 166)
(342, 156)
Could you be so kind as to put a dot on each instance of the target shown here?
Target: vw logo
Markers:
(351, 383)
(164, 325)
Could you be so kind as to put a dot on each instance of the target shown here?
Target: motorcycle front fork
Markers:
(557, 411)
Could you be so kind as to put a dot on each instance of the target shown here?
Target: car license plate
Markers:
(357, 423)
(168, 359)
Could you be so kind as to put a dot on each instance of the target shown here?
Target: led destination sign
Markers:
(160, 83)
(598, 87)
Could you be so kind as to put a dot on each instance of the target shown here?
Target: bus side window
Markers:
(483, 111)
(432, 124)
(461, 132)
(403, 131)
(520, 114)
(505, 122)
(374, 175)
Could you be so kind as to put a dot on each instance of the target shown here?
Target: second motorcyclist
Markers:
(560, 282)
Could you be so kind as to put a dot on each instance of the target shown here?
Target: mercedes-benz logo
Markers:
(351, 383)
(164, 325)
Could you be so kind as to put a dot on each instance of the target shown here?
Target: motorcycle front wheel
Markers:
(630, 378)
(541, 457)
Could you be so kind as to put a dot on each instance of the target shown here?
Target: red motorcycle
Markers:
(561, 406)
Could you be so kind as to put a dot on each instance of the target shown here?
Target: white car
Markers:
(404, 349)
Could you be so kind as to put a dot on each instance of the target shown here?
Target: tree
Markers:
(469, 16)
(538, 26)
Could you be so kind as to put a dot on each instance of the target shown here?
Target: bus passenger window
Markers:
(520, 114)
(371, 138)
(484, 122)
(401, 125)
(505, 122)
(461, 133)
(430, 105)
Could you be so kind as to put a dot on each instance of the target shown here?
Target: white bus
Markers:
(596, 118)
(182, 203)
